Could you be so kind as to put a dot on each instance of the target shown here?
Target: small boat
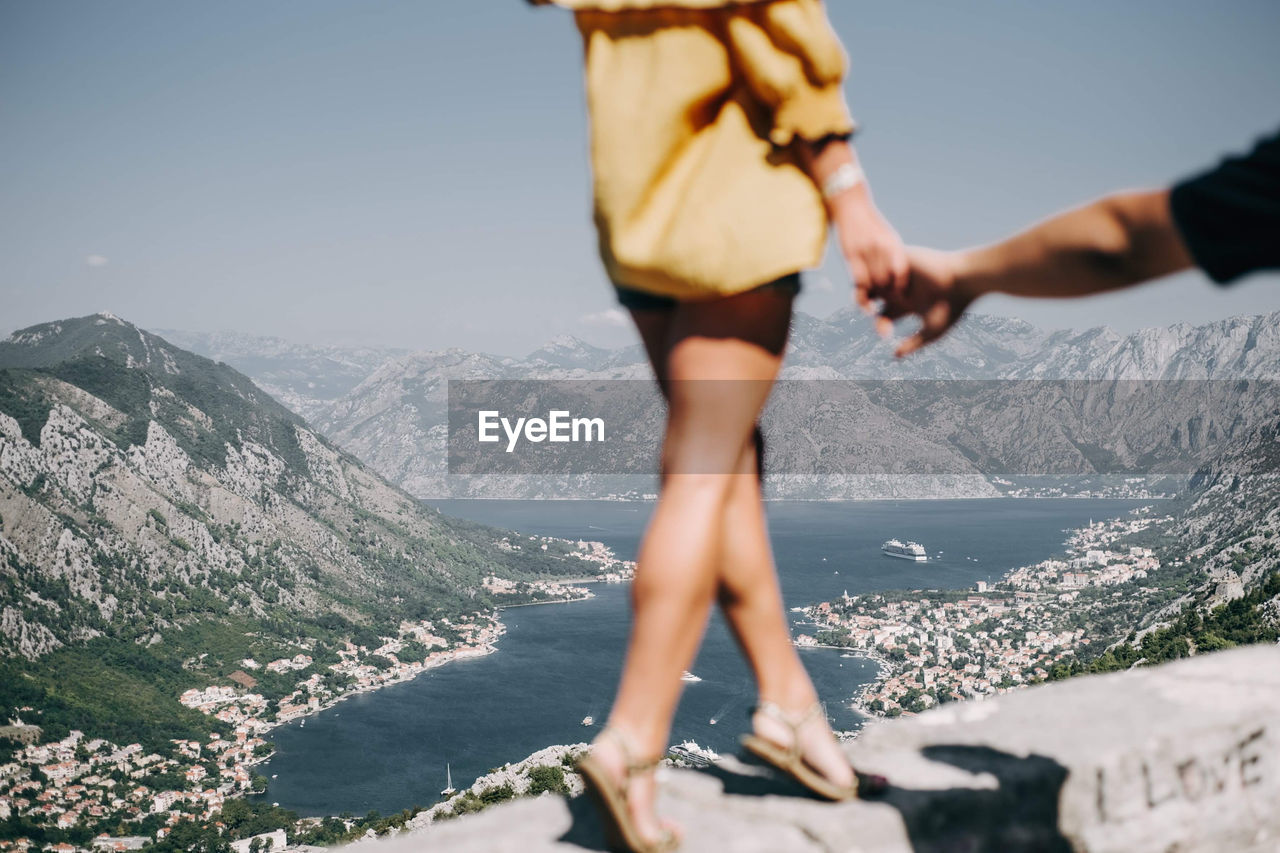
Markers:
(449, 790)
(689, 676)
(274, 775)
(588, 720)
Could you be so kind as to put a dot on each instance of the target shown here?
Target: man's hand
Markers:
(933, 292)
(1114, 242)
(873, 250)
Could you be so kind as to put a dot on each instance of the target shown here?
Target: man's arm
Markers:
(1115, 242)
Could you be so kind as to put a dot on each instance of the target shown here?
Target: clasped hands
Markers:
(904, 281)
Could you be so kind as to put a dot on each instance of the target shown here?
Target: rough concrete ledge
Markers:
(1184, 757)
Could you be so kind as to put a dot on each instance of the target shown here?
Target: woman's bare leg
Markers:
(717, 366)
(748, 590)
(752, 603)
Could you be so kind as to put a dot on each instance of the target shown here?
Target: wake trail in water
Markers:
(719, 715)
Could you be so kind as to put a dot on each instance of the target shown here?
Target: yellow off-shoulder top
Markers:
(694, 106)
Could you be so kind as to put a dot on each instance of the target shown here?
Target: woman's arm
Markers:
(793, 63)
(873, 250)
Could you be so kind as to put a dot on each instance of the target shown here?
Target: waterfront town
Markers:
(131, 796)
(939, 647)
(79, 780)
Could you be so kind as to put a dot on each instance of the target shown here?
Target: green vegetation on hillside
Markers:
(1254, 618)
(128, 692)
(125, 692)
(24, 404)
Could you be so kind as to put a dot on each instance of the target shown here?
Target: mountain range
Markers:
(394, 418)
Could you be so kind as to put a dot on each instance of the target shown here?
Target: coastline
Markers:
(417, 670)
(412, 671)
(539, 603)
(883, 665)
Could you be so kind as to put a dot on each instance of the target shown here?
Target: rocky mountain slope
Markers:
(143, 487)
(1231, 516)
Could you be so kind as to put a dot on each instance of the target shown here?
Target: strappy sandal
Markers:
(610, 798)
(790, 760)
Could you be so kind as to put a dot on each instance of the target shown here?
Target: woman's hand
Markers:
(873, 250)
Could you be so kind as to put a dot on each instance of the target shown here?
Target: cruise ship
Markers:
(905, 550)
(693, 754)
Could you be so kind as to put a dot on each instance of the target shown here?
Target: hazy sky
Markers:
(413, 172)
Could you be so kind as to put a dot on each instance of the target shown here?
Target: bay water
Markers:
(558, 663)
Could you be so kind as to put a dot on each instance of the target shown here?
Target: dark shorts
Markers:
(639, 300)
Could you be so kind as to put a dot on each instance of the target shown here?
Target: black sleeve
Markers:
(1229, 217)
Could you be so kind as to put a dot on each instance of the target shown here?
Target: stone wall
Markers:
(1184, 757)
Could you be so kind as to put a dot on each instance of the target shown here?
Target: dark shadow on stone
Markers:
(585, 830)
(768, 783)
(1020, 816)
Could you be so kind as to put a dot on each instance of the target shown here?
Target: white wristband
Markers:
(845, 178)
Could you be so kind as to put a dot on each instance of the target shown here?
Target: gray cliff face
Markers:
(142, 487)
(1182, 757)
(1232, 515)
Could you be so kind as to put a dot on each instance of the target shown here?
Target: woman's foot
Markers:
(805, 729)
(634, 781)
